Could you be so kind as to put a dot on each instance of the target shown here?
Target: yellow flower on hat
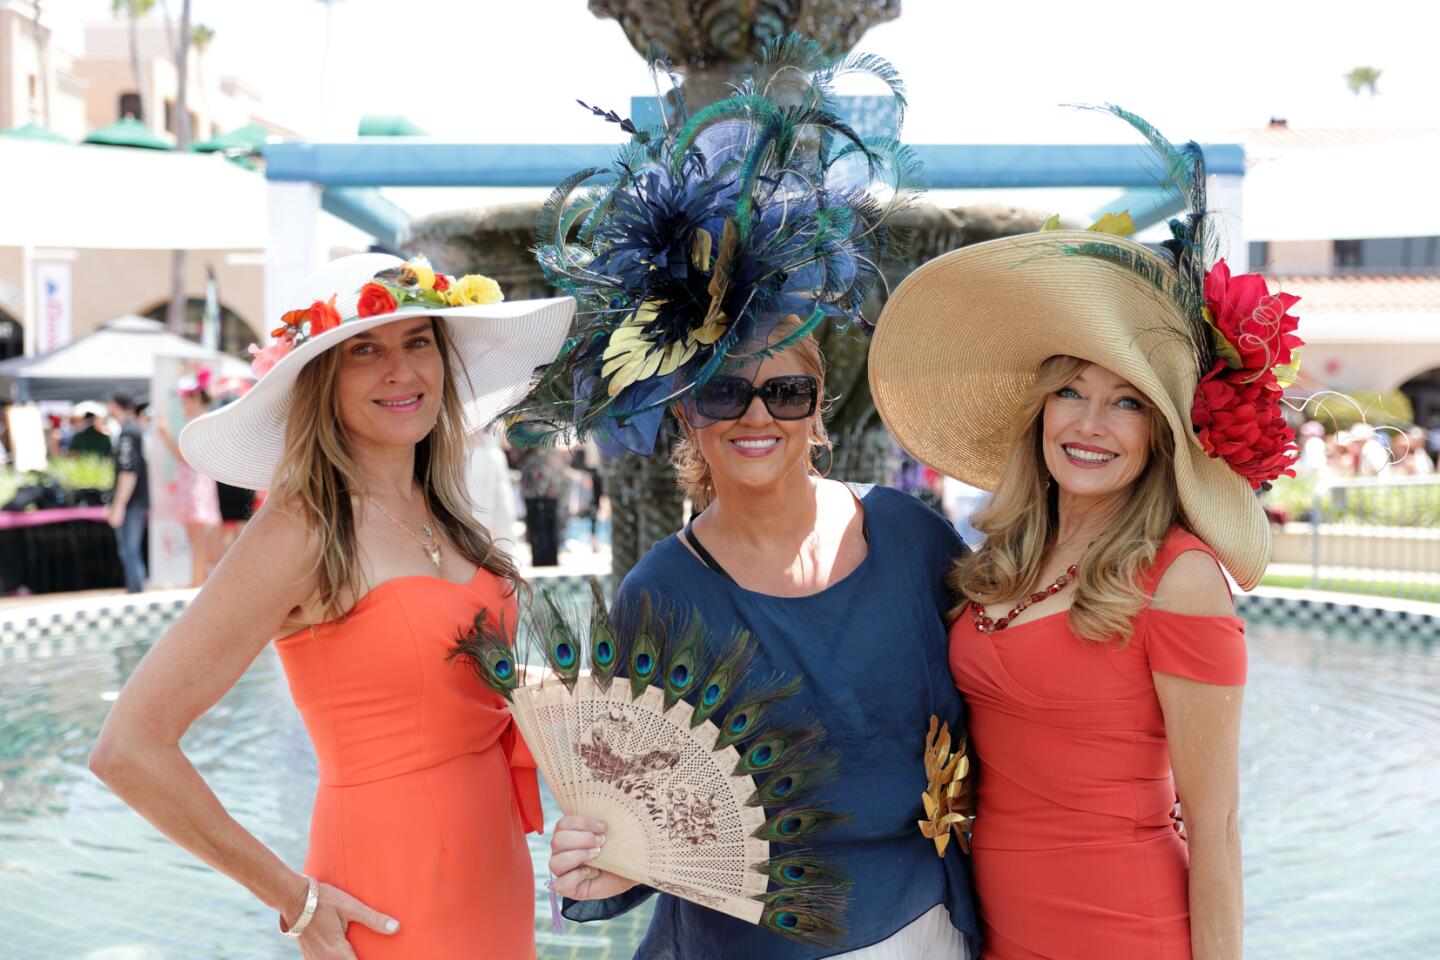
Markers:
(424, 273)
(472, 289)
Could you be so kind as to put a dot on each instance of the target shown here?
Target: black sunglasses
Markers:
(727, 397)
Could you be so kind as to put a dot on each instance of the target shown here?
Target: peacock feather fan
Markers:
(718, 813)
(704, 233)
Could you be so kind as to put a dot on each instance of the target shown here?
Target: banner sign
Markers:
(53, 305)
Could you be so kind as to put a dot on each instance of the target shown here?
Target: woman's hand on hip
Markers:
(324, 937)
(575, 842)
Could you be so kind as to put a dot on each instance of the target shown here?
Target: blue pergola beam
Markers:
(368, 209)
(426, 163)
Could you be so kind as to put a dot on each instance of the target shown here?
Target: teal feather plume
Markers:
(605, 652)
(722, 679)
(486, 644)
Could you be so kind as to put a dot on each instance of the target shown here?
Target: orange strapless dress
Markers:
(426, 790)
(1075, 855)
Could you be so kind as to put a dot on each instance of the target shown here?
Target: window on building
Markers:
(130, 106)
(1347, 253)
(1259, 256)
(33, 83)
(235, 336)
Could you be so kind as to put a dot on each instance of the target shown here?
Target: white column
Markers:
(295, 249)
(1225, 195)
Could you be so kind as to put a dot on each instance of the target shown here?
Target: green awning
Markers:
(389, 125)
(129, 132)
(33, 131)
(250, 138)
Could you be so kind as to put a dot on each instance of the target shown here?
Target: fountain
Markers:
(713, 43)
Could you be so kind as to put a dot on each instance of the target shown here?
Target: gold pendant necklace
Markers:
(426, 539)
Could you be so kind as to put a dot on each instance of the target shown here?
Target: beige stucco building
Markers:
(72, 94)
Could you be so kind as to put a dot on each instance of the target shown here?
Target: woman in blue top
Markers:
(842, 586)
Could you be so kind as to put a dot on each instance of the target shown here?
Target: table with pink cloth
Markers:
(61, 549)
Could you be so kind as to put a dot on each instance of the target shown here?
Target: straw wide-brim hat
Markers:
(960, 342)
(500, 345)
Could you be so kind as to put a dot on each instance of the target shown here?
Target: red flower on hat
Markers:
(375, 299)
(442, 283)
(323, 316)
(1237, 418)
(1255, 322)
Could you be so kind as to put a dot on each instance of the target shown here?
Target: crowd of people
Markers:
(1363, 450)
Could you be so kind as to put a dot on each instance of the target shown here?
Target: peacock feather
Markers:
(1192, 245)
(675, 676)
(486, 644)
(705, 232)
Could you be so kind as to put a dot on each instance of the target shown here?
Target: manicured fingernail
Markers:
(600, 839)
(593, 854)
(391, 926)
(599, 826)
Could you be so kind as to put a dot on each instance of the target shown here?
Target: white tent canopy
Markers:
(117, 358)
(121, 198)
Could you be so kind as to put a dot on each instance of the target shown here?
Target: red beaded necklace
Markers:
(984, 624)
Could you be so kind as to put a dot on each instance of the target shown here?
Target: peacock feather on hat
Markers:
(711, 229)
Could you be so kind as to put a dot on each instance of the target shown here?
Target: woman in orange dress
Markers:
(363, 566)
(1095, 642)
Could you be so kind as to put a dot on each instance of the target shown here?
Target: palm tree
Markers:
(133, 10)
(175, 316)
(1364, 78)
(200, 38)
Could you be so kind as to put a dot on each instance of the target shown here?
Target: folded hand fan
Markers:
(666, 740)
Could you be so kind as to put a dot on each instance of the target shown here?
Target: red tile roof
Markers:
(1369, 294)
(1271, 143)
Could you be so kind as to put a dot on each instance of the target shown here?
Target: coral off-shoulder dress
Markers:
(426, 789)
(1075, 854)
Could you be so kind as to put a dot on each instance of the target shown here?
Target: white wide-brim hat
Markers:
(960, 342)
(499, 345)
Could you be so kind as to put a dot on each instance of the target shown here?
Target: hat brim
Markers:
(960, 342)
(499, 347)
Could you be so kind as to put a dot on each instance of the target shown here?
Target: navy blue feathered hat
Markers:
(711, 230)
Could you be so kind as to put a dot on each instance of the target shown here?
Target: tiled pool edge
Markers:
(45, 630)
(52, 629)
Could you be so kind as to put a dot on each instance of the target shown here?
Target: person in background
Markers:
(88, 440)
(1314, 459)
(130, 499)
(197, 502)
(545, 485)
(1417, 461)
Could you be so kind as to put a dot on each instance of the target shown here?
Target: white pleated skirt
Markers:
(930, 937)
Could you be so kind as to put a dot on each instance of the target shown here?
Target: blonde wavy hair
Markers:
(318, 476)
(692, 470)
(1021, 520)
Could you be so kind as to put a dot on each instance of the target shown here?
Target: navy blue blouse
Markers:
(872, 651)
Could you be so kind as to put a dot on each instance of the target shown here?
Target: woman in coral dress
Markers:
(364, 565)
(1095, 641)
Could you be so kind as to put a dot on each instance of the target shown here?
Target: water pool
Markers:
(1341, 811)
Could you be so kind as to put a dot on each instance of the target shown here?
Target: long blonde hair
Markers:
(318, 475)
(692, 470)
(1021, 520)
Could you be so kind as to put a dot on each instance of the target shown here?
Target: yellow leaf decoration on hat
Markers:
(472, 290)
(1287, 373)
(1116, 224)
(1223, 347)
(700, 250)
(630, 356)
(1052, 224)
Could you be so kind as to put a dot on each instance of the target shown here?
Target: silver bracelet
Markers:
(312, 899)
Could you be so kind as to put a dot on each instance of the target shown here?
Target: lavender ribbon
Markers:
(557, 921)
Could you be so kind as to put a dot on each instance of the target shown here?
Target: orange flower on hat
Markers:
(323, 316)
(375, 299)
